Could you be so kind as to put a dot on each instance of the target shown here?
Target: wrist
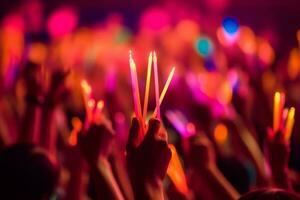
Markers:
(148, 189)
(280, 178)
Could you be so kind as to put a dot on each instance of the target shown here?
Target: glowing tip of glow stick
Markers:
(131, 61)
(154, 57)
(91, 103)
(173, 70)
(277, 94)
(100, 104)
(292, 112)
(130, 54)
(85, 86)
(150, 56)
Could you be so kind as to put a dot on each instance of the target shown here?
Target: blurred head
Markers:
(26, 173)
(274, 194)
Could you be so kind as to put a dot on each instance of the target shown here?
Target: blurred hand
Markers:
(96, 141)
(33, 80)
(277, 150)
(202, 154)
(57, 90)
(147, 157)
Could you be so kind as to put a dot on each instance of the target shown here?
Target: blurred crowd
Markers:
(68, 128)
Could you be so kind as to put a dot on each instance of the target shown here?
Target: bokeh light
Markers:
(62, 22)
(204, 46)
(230, 25)
(221, 133)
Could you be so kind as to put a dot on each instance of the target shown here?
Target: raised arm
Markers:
(95, 146)
(56, 93)
(208, 181)
(29, 130)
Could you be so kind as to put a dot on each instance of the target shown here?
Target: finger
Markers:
(278, 136)
(153, 128)
(133, 133)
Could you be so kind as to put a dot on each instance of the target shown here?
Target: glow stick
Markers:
(86, 92)
(289, 124)
(176, 173)
(165, 89)
(135, 87)
(276, 110)
(156, 84)
(147, 86)
(97, 114)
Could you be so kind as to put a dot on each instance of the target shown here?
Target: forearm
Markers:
(280, 179)
(48, 129)
(78, 181)
(29, 131)
(121, 175)
(215, 180)
(104, 181)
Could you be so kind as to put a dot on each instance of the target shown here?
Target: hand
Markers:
(96, 141)
(277, 150)
(147, 157)
(57, 90)
(33, 80)
(202, 154)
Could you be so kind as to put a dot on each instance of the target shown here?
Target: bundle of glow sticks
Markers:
(93, 108)
(93, 113)
(152, 61)
(283, 119)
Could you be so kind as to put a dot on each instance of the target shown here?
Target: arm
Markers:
(102, 176)
(211, 183)
(29, 130)
(54, 96)
(95, 146)
(48, 128)
(77, 167)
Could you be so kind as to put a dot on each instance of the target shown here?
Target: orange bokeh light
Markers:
(221, 133)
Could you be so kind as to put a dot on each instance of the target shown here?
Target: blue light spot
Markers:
(204, 46)
(209, 64)
(230, 25)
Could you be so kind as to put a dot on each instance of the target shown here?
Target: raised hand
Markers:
(277, 152)
(147, 159)
(96, 142)
(29, 131)
(57, 90)
(33, 80)
(207, 181)
(202, 153)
